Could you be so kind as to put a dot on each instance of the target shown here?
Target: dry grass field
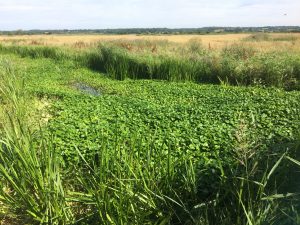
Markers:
(285, 42)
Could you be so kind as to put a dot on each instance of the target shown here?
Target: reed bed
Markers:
(235, 64)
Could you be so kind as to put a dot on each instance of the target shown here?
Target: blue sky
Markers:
(92, 14)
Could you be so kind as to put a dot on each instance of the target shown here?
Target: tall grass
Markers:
(35, 51)
(121, 64)
(235, 64)
(243, 65)
(31, 185)
(129, 188)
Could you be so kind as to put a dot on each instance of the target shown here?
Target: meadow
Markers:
(150, 130)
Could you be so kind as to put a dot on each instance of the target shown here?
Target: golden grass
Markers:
(216, 41)
(73, 39)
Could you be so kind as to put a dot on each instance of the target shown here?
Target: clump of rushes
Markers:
(31, 185)
(121, 64)
(236, 64)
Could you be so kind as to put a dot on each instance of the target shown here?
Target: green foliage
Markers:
(168, 148)
(236, 64)
(244, 66)
(170, 114)
(147, 152)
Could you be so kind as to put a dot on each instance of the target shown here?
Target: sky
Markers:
(102, 14)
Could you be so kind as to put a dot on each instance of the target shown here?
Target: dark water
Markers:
(87, 89)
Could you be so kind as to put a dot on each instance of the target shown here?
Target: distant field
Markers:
(284, 41)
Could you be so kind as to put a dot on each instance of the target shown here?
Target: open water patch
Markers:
(87, 89)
